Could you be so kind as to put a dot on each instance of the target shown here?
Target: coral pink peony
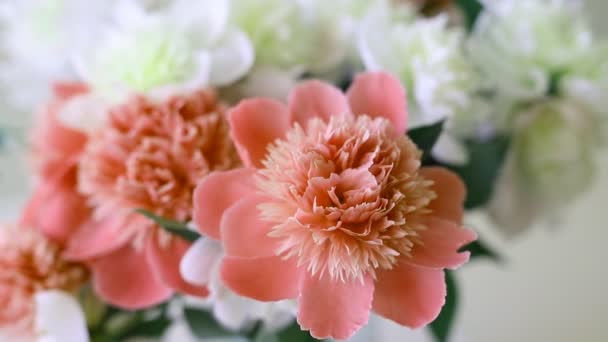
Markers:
(150, 155)
(334, 209)
(29, 263)
(56, 208)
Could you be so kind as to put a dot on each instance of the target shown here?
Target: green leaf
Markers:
(425, 137)
(293, 333)
(471, 10)
(153, 328)
(485, 162)
(203, 324)
(442, 325)
(479, 249)
(174, 227)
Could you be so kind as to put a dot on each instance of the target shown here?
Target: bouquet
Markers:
(278, 170)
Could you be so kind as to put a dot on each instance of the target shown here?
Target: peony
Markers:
(186, 45)
(149, 155)
(334, 209)
(425, 54)
(521, 46)
(554, 144)
(288, 34)
(35, 283)
(56, 208)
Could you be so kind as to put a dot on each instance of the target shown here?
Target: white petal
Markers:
(231, 59)
(198, 262)
(268, 82)
(59, 317)
(207, 17)
(450, 150)
(86, 113)
(233, 311)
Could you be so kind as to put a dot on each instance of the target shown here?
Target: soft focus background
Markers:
(552, 285)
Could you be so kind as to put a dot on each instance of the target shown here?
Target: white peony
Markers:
(551, 163)
(37, 39)
(184, 45)
(523, 46)
(425, 54)
(299, 35)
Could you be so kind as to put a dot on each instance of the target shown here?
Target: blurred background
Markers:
(552, 285)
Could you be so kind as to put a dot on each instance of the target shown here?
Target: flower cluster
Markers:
(279, 169)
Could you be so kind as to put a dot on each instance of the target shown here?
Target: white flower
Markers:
(188, 44)
(36, 40)
(550, 165)
(521, 45)
(425, 54)
(200, 266)
(305, 35)
(59, 318)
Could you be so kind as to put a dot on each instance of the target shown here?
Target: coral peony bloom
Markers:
(29, 265)
(334, 209)
(56, 208)
(149, 155)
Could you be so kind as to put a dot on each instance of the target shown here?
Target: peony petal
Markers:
(56, 212)
(316, 99)
(255, 124)
(97, 237)
(197, 264)
(164, 257)
(331, 308)
(245, 233)
(379, 94)
(264, 279)
(125, 279)
(59, 317)
(232, 59)
(451, 193)
(409, 295)
(440, 244)
(215, 194)
(66, 90)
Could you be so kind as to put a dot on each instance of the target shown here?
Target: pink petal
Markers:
(164, 257)
(66, 90)
(451, 193)
(409, 295)
(215, 194)
(97, 237)
(440, 244)
(379, 94)
(56, 212)
(245, 233)
(316, 99)
(125, 279)
(332, 308)
(256, 123)
(264, 279)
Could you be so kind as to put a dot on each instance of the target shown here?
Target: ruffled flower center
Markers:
(343, 194)
(30, 263)
(151, 155)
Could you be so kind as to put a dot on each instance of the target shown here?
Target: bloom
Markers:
(186, 45)
(37, 41)
(149, 155)
(553, 154)
(31, 266)
(56, 207)
(333, 209)
(521, 45)
(289, 34)
(426, 55)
